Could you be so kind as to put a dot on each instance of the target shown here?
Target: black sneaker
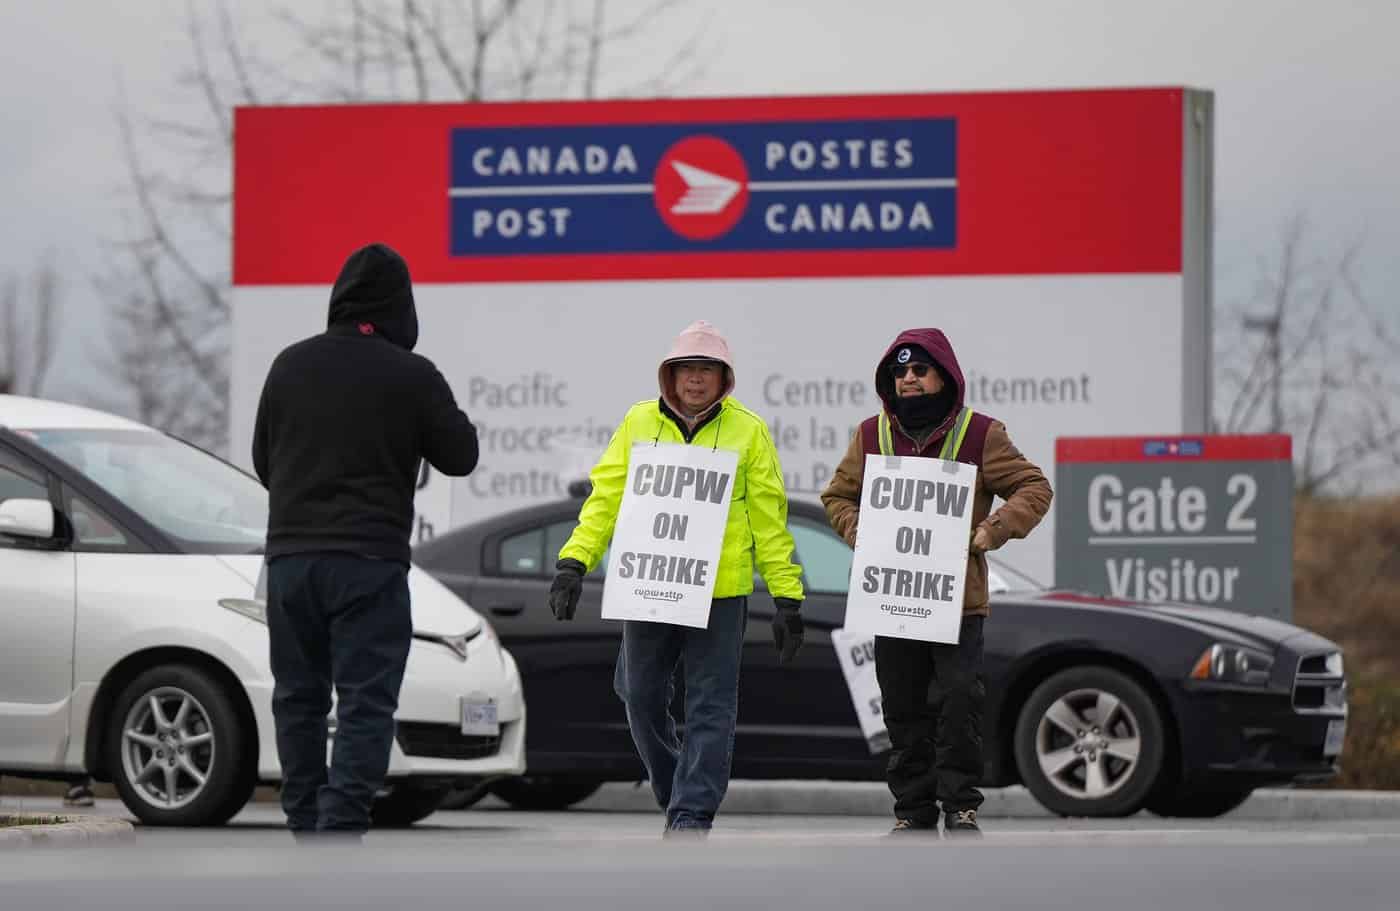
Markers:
(685, 831)
(914, 827)
(961, 824)
(80, 795)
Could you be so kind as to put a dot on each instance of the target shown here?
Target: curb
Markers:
(41, 830)
(846, 798)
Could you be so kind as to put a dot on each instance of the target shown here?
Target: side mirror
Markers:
(21, 518)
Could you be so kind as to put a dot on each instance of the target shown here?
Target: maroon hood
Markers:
(941, 350)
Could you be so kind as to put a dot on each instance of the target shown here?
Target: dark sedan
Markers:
(1099, 707)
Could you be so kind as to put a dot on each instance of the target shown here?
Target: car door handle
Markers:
(510, 609)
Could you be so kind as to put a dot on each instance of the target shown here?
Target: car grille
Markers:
(1318, 689)
(444, 741)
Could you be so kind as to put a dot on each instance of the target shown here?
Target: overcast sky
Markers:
(1307, 103)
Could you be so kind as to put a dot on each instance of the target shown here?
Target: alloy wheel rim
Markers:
(1088, 743)
(168, 748)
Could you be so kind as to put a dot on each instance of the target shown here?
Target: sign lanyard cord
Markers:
(719, 424)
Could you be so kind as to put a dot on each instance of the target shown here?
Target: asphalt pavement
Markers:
(587, 859)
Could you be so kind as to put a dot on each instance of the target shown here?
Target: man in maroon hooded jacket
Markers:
(937, 755)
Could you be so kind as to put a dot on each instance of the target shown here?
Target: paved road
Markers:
(580, 861)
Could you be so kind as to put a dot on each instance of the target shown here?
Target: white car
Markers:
(133, 645)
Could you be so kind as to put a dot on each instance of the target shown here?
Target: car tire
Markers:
(177, 749)
(544, 792)
(1204, 804)
(465, 795)
(1075, 765)
(407, 802)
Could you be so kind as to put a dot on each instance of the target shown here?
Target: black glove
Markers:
(568, 585)
(787, 628)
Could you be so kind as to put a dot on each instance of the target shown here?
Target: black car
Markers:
(1100, 707)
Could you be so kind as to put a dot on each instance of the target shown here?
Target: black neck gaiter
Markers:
(920, 413)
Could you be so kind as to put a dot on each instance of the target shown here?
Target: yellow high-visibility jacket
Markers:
(756, 529)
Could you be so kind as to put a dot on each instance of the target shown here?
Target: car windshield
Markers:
(205, 504)
(1009, 579)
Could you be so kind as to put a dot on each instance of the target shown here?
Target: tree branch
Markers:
(595, 52)
(415, 57)
(204, 76)
(235, 54)
(465, 87)
(141, 185)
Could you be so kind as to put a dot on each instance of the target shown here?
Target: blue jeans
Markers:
(690, 777)
(343, 621)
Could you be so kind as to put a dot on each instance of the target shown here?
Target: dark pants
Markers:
(343, 621)
(688, 778)
(937, 741)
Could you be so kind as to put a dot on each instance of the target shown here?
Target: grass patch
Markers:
(1346, 586)
(1371, 757)
(29, 819)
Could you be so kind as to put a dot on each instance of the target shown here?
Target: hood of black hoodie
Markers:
(374, 289)
(941, 350)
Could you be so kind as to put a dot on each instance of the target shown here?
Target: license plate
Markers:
(1336, 736)
(479, 718)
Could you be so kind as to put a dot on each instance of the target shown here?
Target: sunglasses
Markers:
(920, 370)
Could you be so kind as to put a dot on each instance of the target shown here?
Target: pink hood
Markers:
(698, 340)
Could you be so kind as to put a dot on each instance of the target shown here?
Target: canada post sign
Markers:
(789, 186)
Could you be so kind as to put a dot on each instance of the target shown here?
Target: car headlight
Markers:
(253, 610)
(489, 632)
(1233, 664)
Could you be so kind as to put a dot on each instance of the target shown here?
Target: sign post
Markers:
(910, 564)
(669, 534)
(1204, 520)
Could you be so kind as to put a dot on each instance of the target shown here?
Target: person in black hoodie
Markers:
(344, 420)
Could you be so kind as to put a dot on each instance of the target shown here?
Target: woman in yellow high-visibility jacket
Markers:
(694, 408)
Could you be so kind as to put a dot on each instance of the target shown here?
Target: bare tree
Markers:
(1308, 355)
(29, 316)
(169, 277)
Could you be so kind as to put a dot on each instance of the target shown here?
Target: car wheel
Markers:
(1089, 742)
(544, 792)
(1206, 804)
(176, 749)
(407, 802)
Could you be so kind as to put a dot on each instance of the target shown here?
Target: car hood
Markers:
(436, 610)
(1212, 621)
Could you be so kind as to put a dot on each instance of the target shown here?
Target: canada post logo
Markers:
(1177, 448)
(701, 187)
(827, 185)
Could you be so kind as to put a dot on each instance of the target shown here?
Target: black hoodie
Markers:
(346, 416)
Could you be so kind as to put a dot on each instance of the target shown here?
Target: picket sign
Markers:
(669, 534)
(855, 652)
(912, 541)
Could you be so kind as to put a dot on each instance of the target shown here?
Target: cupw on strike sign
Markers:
(855, 652)
(669, 534)
(912, 542)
